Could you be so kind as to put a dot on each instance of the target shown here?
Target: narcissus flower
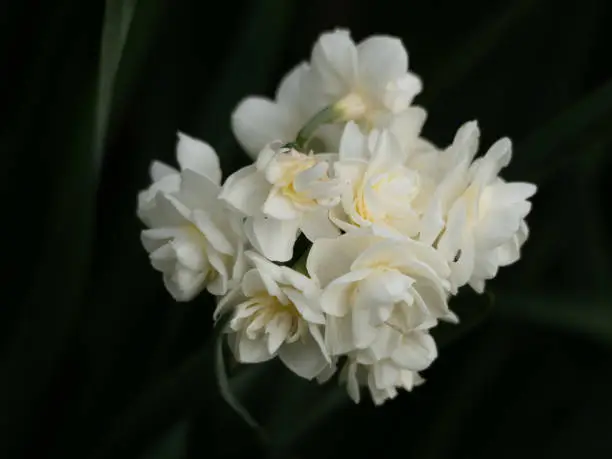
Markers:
(276, 312)
(385, 190)
(192, 237)
(381, 296)
(367, 82)
(372, 284)
(475, 218)
(283, 193)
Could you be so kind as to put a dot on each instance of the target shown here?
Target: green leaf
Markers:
(118, 17)
(48, 305)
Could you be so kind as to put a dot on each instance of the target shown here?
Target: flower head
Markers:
(381, 296)
(371, 79)
(276, 312)
(475, 218)
(283, 193)
(372, 283)
(192, 238)
(367, 82)
(387, 187)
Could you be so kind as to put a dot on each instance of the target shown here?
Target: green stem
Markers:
(326, 116)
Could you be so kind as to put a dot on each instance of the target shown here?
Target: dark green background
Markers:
(98, 362)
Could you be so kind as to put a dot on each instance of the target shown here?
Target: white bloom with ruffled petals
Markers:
(192, 237)
(476, 219)
(387, 188)
(283, 193)
(276, 312)
(372, 283)
(381, 297)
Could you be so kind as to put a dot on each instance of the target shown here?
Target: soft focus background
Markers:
(98, 362)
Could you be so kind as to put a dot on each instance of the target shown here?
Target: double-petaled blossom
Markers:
(475, 218)
(284, 193)
(388, 187)
(193, 239)
(381, 295)
(276, 312)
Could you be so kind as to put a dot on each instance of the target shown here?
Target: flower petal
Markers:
(273, 238)
(289, 93)
(199, 157)
(334, 62)
(252, 351)
(316, 225)
(416, 352)
(303, 357)
(246, 190)
(382, 59)
(197, 191)
(159, 170)
(277, 330)
(279, 206)
(353, 143)
(258, 121)
(329, 259)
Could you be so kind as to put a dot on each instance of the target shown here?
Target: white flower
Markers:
(257, 121)
(373, 72)
(369, 83)
(379, 294)
(476, 219)
(283, 193)
(382, 378)
(193, 239)
(387, 188)
(276, 312)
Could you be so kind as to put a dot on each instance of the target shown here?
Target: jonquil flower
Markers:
(276, 312)
(367, 82)
(381, 296)
(370, 78)
(372, 283)
(475, 218)
(385, 189)
(192, 237)
(283, 193)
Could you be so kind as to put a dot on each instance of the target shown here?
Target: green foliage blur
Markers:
(96, 359)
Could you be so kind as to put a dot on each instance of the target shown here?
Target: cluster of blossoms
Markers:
(395, 224)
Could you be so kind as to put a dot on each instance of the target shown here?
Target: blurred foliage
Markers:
(98, 362)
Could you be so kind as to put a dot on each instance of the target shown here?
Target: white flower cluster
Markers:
(396, 225)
